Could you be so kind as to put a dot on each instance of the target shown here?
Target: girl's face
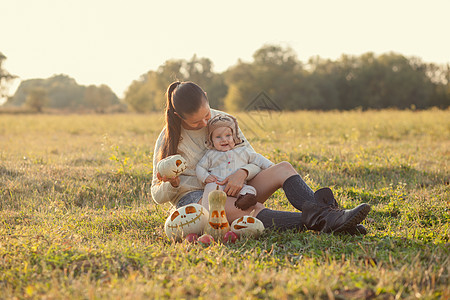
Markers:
(197, 120)
(222, 139)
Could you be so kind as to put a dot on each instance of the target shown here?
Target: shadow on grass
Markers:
(92, 161)
(9, 173)
(372, 249)
(110, 190)
(376, 185)
(405, 174)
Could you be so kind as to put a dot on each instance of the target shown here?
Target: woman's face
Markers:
(197, 120)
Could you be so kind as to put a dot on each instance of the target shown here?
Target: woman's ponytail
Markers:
(183, 99)
(173, 125)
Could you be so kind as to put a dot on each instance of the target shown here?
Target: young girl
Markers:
(227, 154)
(187, 113)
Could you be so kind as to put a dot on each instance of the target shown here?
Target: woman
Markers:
(186, 115)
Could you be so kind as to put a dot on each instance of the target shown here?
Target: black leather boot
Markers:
(325, 196)
(322, 216)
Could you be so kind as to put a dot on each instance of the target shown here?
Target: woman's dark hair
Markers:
(184, 98)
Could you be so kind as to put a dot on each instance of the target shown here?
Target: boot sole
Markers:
(356, 219)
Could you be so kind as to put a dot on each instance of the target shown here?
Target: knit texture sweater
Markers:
(192, 147)
(222, 164)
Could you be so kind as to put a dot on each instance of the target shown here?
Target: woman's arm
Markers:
(161, 191)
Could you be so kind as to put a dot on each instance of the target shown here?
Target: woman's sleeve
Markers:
(162, 192)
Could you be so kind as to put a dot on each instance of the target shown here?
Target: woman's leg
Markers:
(279, 220)
(317, 215)
(266, 183)
(275, 219)
(269, 180)
(282, 175)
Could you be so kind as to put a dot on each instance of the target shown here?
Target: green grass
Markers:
(77, 219)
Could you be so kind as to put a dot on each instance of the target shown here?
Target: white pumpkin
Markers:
(187, 219)
(247, 226)
(171, 166)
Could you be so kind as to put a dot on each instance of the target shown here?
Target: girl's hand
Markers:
(234, 182)
(210, 178)
(175, 182)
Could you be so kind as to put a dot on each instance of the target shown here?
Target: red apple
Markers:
(205, 240)
(192, 237)
(230, 237)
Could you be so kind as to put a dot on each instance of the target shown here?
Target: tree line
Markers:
(64, 93)
(367, 81)
(5, 77)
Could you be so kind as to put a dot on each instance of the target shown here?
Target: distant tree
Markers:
(321, 84)
(20, 97)
(37, 99)
(145, 94)
(440, 77)
(99, 98)
(390, 80)
(332, 82)
(5, 78)
(198, 70)
(64, 92)
(148, 92)
(274, 70)
(234, 100)
(242, 86)
(371, 81)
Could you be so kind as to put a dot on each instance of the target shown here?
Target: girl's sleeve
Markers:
(162, 192)
(252, 169)
(202, 168)
(258, 159)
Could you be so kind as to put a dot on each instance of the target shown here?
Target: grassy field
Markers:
(77, 219)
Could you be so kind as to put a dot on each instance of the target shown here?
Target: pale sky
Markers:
(114, 42)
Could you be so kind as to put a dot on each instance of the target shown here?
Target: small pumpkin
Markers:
(171, 166)
(247, 226)
(185, 220)
(217, 224)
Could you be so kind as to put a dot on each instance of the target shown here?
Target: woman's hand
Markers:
(234, 182)
(175, 182)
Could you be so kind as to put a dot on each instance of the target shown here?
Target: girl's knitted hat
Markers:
(222, 120)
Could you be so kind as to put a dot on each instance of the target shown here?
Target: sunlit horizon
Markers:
(114, 43)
